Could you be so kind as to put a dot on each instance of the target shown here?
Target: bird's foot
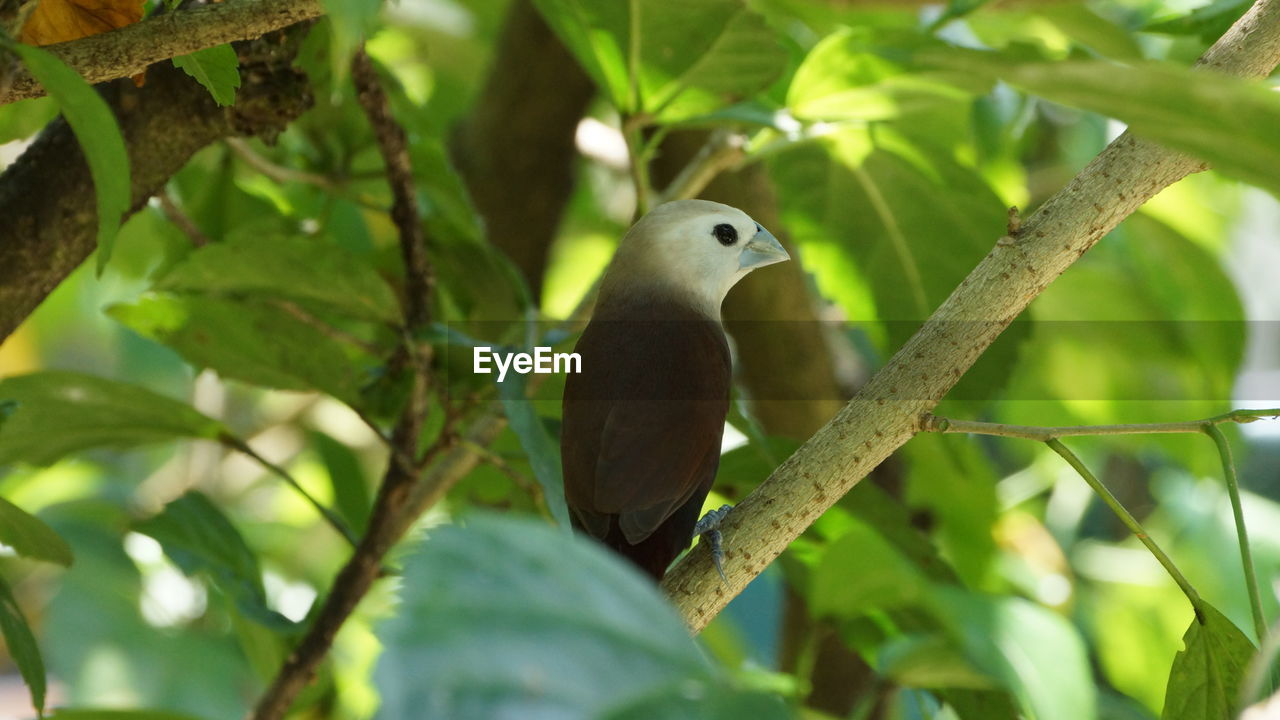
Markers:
(709, 529)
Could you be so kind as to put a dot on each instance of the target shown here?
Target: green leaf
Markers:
(928, 661)
(259, 344)
(199, 538)
(351, 494)
(1033, 652)
(99, 136)
(21, 120)
(982, 704)
(842, 78)
(1149, 316)
(671, 59)
(508, 617)
(90, 714)
(63, 412)
(543, 451)
(861, 572)
(1208, 22)
(672, 703)
(30, 537)
(22, 646)
(907, 214)
(296, 269)
(1232, 123)
(216, 68)
(1204, 683)
(954, 481)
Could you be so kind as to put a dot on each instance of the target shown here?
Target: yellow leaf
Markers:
(55, 21)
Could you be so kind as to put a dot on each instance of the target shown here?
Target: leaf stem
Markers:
(632, 132)
(1130, 522)
(330, 516)
(1242, 535)
(934, 423)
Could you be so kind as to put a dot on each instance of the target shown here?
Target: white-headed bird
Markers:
(643, 421)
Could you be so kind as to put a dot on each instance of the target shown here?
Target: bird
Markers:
(644, 417)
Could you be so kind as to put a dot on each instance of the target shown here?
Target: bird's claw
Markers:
(709, 529)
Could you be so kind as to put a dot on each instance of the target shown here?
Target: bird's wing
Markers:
(643, 422)
(653, 457)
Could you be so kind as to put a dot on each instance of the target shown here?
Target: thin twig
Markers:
(723, 151)
(387, 522)
(330, 516)
(500, 464)
(933, 423)
(181, 220)
(282, 174)
(1130, 522)
(394, 146)
(1242, 535)
(633, 134)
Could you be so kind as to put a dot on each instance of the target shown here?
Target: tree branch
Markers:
(129, 50)
(887, 411)
(403, 466)
(47, 195)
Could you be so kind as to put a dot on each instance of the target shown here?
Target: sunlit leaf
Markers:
(1232, 123)
(1207, 22)
(1147, 316)
(96, 130)
(21, 645)
(908, 215)
(30, 537)
(216, 68)
(199, 538)
(62, 412)
(843, 78)
(1204, 683)
(510, 617)
(668, 58)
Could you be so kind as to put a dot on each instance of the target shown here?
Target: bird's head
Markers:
(694, 249)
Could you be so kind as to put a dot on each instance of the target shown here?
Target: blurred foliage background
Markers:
(968, 578)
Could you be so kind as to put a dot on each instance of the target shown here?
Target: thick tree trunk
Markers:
(516, 150)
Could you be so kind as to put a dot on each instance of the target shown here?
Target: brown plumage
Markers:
(643, 422)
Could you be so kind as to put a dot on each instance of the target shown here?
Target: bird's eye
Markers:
(725, 233)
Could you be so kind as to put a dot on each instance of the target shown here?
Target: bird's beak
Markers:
(763, 249)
